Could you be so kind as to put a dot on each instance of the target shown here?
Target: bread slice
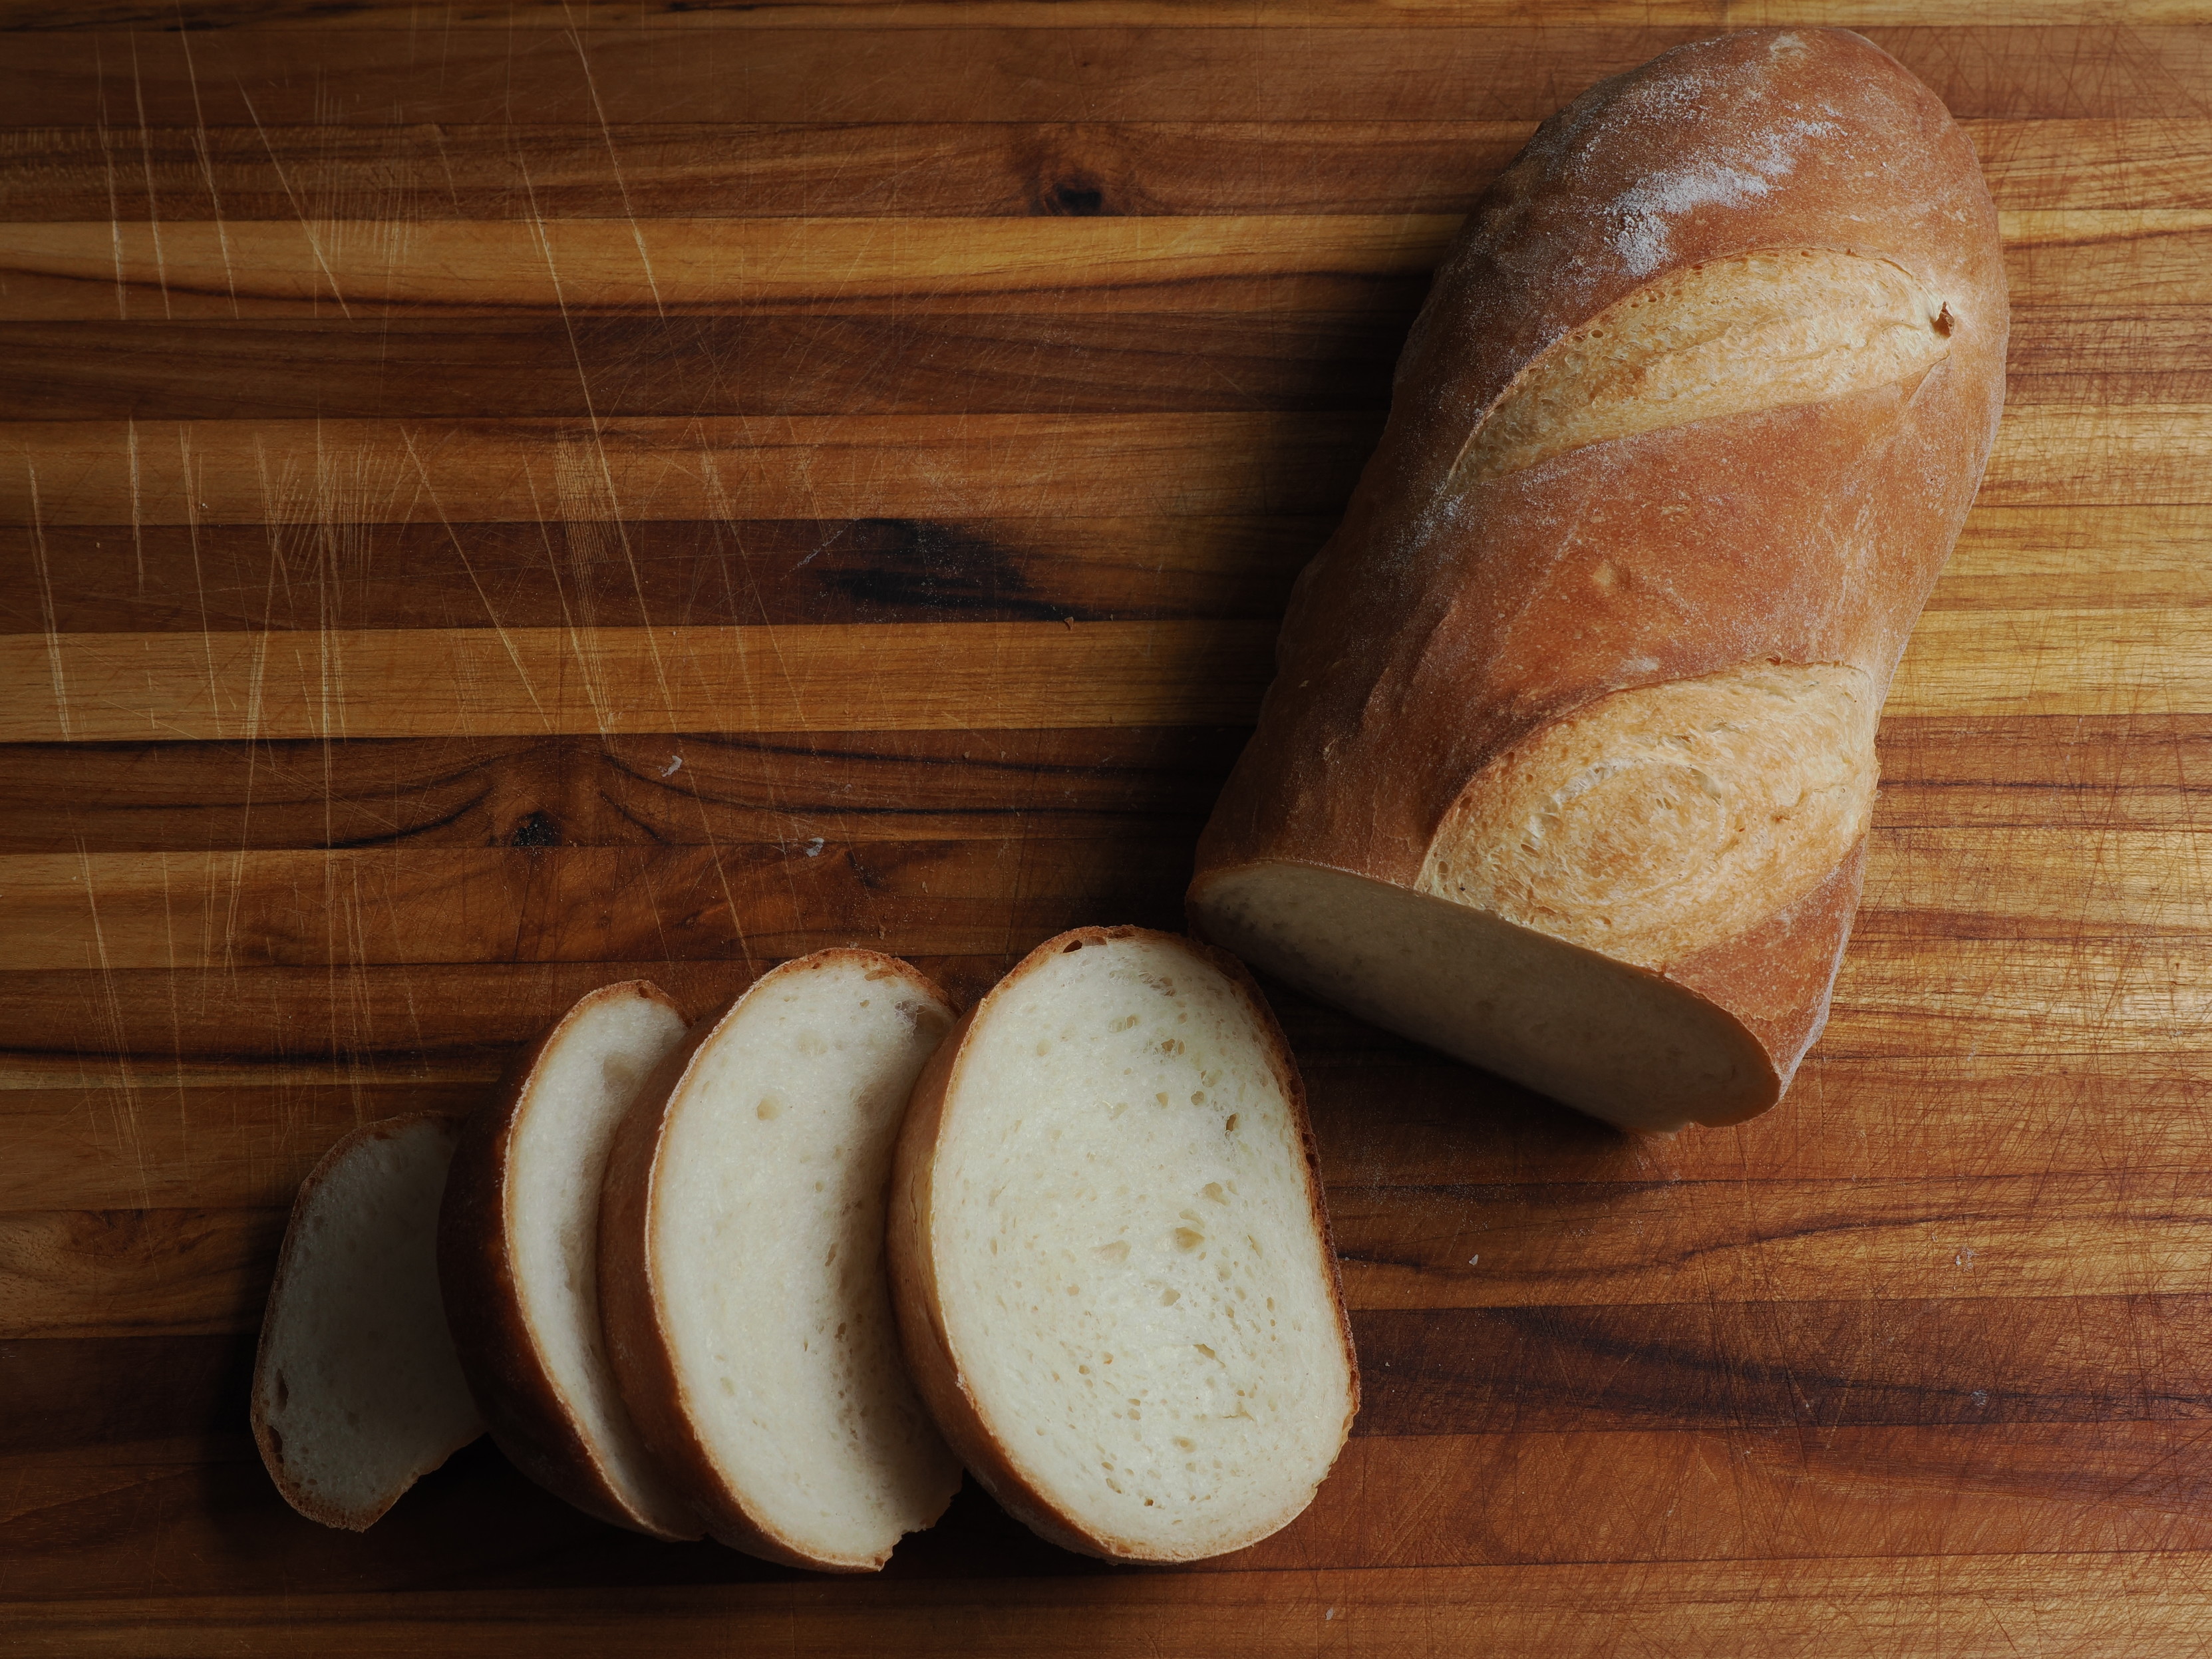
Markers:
(356, 1392)
(1112, 1264)
(518, 1255)
(741, 1265)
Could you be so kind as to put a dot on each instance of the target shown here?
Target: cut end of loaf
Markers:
(357, 1393)
(1654, 821)
(1131, 1276)
(1611, 1039)
(1759, 330)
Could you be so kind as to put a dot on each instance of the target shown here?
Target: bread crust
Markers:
(930, 1356)
(264, 1439)
(639, 1345)
(1445, 622)
(531, 1418)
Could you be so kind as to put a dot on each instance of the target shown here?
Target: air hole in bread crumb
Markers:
(1189, 1238)
(1213, 1190)
(1117, 1251)
(1123, 1024)
(767, 1110)
(1230, 1127)
(1169, 1298)
(283, 1392)
(1071, 946)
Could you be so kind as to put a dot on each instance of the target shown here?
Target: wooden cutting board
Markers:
(507, 497)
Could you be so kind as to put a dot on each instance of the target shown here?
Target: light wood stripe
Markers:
(486, 681)
(726, 467)
(94, 270)
(978, 675)
(272, 268)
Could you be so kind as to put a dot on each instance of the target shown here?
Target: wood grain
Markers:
(500, 681)
(2121, 69)
(665, 169)
(2132, 1603)
(905, 361)
(504, 499)
(660, 468)
(719, 467)
(969, 677)
(355, 268)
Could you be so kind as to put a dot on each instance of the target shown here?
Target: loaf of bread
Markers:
(1569, 762)
(517, 1255)
(356, 1392)
(741, 1268)
(1112, 1265)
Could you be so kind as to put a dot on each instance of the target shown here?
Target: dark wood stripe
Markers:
(114, 578)
(527, 900)
(1564, 1243)
(775, 364)
(676, 170)
(579, 903)
(1149, 782)
(1167, 361)
(238, 78)
(1767, 1366)
(118, 578)
(2142, 771)
(908, 171)
(1595, 1245)
(2132, 1601)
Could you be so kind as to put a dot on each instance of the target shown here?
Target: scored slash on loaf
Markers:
(1569, 762)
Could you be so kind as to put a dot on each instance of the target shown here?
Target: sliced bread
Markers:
(1109, 1255)
(741, 1265)
(518, 1255)
(356, 1391)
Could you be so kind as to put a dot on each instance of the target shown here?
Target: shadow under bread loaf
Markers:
(1568, 761)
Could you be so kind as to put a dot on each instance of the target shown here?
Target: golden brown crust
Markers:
(930, 1358)
(1775, 977)
(638, 1343)
(1447, 620)
(265, 1437)
(530, 1420)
